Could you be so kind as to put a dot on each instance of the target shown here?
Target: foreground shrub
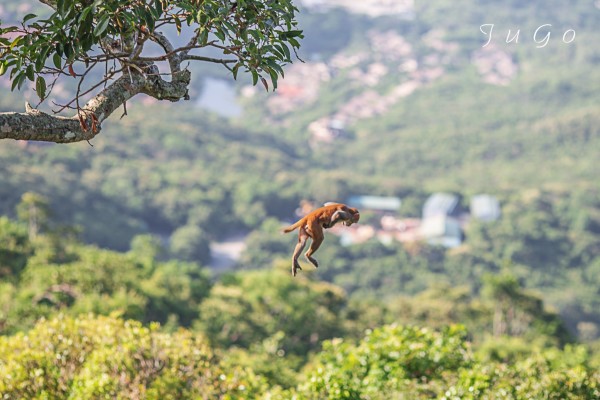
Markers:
(104, 357)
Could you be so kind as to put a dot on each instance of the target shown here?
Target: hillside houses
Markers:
(495, 66)
(442, 222)
(371, 8)
(378, 76)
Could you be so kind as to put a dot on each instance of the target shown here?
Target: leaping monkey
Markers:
(312, 225)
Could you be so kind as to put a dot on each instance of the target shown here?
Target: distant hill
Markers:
(429, 100)
(382, 103)
(401, 103)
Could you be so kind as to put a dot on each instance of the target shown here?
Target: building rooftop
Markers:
(440, 204)
(485, 207)
(379, 203)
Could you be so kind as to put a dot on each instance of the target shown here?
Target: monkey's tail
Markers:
(293, 227)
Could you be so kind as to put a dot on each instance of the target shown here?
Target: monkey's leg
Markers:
(302, 236)
(317, 239)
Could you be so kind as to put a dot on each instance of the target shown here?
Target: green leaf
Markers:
(13, 71)
(9, 29)
(203, 38)
(57, 60)
(41, 58)
(2, 68)
(68, 50)
(275, 66)
(30, 73)
(84, 13)
(15, 42)
(18, 81)
(234, 70)
(274, 78)
(229, 27)
(294, 42)
(149, 19)
(292, 34)
(15, 81)
(254, 77)
(220, 34)
(157, 10)
(264, 82)
(255, 34)
(64, 7)
(60, 6)
(102, 25)
(28, 17)
(178, 25)
(40, 87)
(283, 47)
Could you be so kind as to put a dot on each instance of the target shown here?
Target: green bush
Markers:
(104, 357)
(388, 362)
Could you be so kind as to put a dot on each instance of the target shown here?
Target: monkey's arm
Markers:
(338, 216)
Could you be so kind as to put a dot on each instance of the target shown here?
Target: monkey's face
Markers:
(354, 219)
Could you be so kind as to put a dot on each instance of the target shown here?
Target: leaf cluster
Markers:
(261, 36)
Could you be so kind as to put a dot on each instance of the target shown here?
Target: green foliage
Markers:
(546, 241)
(101, 357)
(85, 279)
(261, 35)
(14, 248)
(250, 307)
(33, 210)
(268, 360)
(515, 285)
(190, 243)
(388, 363)
(164, 182)
(418, 363)
(536, 377)
(146, 249)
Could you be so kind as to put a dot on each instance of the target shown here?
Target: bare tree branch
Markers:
(208, 59)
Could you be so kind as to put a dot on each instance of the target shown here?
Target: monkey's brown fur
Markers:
(312, 225)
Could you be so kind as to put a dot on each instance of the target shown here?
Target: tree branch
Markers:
(138, 76)
(36, 125)
(209, 59)
(170, 52)
(95, 35)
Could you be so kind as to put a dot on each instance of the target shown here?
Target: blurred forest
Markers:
(104, 284)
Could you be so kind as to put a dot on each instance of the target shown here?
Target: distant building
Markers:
(485, 207)
(327, 130)
(404, 230)
(375, 203)
(442, 204)
(354, 235)
(441, 225)
(442, 230)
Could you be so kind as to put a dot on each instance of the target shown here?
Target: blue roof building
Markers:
(441, 204)
(376, 203)
(485, 207)
(442, 230)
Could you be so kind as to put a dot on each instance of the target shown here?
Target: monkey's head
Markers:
(355, 217)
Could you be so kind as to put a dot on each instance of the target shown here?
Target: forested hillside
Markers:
(405, 103)
(261, 334)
